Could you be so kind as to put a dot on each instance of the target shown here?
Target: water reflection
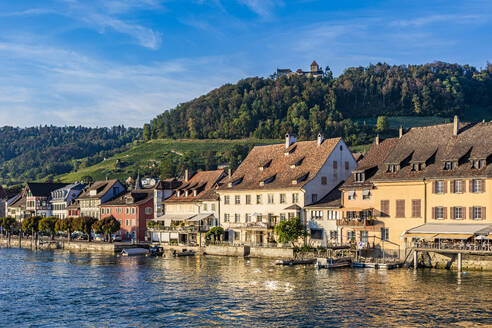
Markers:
(92, 290)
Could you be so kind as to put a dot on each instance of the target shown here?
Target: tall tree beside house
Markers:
(7, 223)
(48, 225)
(289, 231)
(84, 224)
(215, 233)
(65, 225)
(31, 224)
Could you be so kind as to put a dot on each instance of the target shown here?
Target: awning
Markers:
(453, 236)
(174, 217)
(421, 235)
(450, 229)
(489, 237)
(200, 217)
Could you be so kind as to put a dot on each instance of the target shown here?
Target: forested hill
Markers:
(40, 152)
(269, 107)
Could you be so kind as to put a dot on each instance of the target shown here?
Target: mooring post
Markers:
(460, 264)
(415, 259)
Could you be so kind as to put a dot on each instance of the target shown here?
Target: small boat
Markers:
(134, 251)
(156, 251)
(295, 262)
(358, 265)
(184, 252)
(329, 263)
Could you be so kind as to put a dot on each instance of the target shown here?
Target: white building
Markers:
(62, 197)
(276, 182)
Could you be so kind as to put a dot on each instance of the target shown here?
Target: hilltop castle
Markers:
(315, 71)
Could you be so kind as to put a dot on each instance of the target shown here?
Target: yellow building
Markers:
(434, 179)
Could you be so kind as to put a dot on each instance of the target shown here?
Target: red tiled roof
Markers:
(203, 182)
(102, 187)
(134, 197)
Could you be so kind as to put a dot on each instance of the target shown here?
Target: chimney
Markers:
(320, 139)
(187, 175)
(377, 139)
(401, 131)
(289, 140)
(456, 125)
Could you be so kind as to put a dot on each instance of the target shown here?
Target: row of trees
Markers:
(52, 225)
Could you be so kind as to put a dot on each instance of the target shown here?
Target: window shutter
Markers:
(470, 209)
(452, 213)
(433, 213)
(483, 185)
(434, 187)
(483, 213)
(451, 186)
(471, 186)
(463, 185)
(445, 183)
(445, 213)
(463, 210)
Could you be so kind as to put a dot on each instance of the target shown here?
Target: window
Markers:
(457, 186)
(476, 213)
(351, 235)
(248, 199)
(259, 218)
(282, 217)
(359, 177)
(317, 234)
(148, 210)
(316, 215)
(333, 235)
(364, 236)
(351, 214)
(236, 235)
(258, 199)
(237, 218)
(346, 165)
(133, 223)
(476, 186)
(366, 194)
(213, 207)
(351, 195)
(448, 165)
(227, 200)
(439, 187)
(282, 198)
(295, 197)
(384, 234)
(415, 208)
(323, 180)
(385, 208)
(270, 198)
(416, 166)
(478, 164)
(439, 213)
(290, 215)
(127, 222)
(392, 168)
(335, 165)
(226, 217)
(237, 199)
(314, 198)
(400, 208)
(205, 207)
(458, 213)
(127, 210)
(134, 210)
(248, 218)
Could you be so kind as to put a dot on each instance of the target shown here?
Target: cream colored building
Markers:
(276, 182)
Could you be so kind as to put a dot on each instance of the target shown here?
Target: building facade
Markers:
(277, 182)
(38, 197)
(98, 193)
(162, 191)
(61, 198)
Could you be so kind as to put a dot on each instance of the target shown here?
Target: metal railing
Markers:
(477, 247)
(355, 222)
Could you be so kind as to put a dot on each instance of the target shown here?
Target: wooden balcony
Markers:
(355, 222)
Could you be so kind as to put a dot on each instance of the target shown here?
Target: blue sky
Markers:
(108, 62)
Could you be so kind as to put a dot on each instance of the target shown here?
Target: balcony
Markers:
(252, 225)
(183, 229)
(356, 222)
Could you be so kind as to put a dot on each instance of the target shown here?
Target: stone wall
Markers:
(82, 246)
(450, 261)
(227, 250)
(272, 252)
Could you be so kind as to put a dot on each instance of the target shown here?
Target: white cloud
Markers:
(263, 8)
(426, 20)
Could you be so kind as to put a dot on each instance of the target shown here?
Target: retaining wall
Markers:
(450, 261)
(272, 252)
(227, 250)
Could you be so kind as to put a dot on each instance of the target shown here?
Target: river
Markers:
(58, 289)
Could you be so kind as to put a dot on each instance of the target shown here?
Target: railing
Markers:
(251, 225)
(355, 222)
(477, 247)
(182, 229)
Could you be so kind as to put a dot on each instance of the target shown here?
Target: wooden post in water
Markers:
(415, 259)
(460, 263)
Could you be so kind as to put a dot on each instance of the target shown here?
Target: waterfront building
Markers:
(38, 197)
(191, 210)
(98, 193)
(435, 176)
(322, 219)
(162, 191)
(61, 198)
(16, 206)
(132, 209)
(276, 182)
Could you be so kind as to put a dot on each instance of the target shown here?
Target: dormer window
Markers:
(194, 193)
(300, 178)
(478, 164)
(267, 180)
(359, 177)
(178, 193)
(448, 165)
(417, 166)
(290, 150)
(265, 165)
(392, 168)
(297, 163)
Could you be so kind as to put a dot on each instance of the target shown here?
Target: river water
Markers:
(58, 289)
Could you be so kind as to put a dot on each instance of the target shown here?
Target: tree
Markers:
(48, 225)
(65, 225)
(147, 134)
(88, 179)
(382, 124)
(31, 224)
(152, 224)
(290, 230)
(214, 232)
(107, 226)
(84, 224)
(7, 224)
